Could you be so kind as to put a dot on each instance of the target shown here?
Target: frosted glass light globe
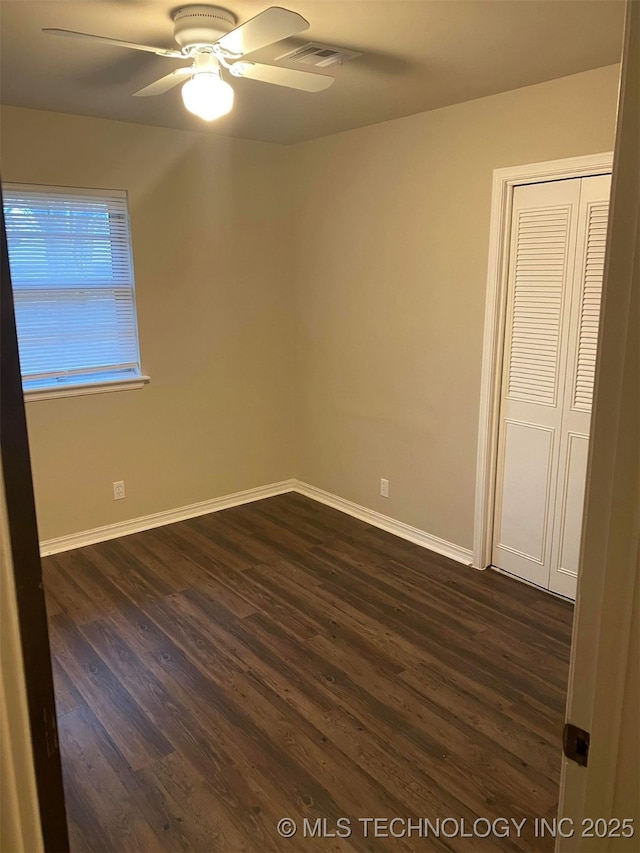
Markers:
(207, 96)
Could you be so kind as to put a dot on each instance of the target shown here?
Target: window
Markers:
(72, 276)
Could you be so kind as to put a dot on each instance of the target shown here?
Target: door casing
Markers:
(26, 585)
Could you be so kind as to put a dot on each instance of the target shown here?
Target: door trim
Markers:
(27, 584)
(504, 183)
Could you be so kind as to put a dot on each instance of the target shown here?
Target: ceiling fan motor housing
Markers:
(194, 25)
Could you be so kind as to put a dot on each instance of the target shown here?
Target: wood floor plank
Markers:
(440, 592)
(297, 726)
(64, 594)
(281, 659)
(166, 554)
(238, 731)
(219, 549)
(137, 738)
(251, 532)
(120, 573)
(442, 749)
(100, 594)
(67, 697)
(188, 731)
(297, 683)
(205, 823)
(327, 616)
(353, 789)
(152, 580)
(93, 765)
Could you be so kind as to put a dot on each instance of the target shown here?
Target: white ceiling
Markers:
(417, 55)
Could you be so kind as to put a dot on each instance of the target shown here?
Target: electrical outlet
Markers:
(384, 488)
(118, 490)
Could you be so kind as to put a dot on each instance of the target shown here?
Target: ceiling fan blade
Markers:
(305, 81)
(159, 51)
(165, 83)
(269, 26)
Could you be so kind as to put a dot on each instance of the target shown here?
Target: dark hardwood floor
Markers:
(281, 659)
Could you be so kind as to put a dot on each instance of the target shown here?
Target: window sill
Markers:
(80, 390)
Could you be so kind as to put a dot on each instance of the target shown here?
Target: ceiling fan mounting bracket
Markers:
(201, 25)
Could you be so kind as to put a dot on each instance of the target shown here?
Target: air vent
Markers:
(320, 55)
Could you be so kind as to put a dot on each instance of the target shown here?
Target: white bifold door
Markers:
(556, 265)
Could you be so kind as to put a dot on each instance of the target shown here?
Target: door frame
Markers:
(504, 183)
(28, 646)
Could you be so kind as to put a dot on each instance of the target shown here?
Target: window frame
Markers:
(95, 385)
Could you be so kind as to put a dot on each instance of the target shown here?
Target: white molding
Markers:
(504, 183)
(159, 519)
(384, 522)
(79, 390)
(18, 186)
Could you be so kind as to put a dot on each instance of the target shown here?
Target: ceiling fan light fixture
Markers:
(209, 38)
(207, 96)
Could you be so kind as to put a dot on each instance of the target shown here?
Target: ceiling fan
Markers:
(209, 38)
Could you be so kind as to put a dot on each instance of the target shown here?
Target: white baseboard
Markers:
(384, 522)
(159, 519)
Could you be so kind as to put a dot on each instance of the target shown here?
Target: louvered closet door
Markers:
(586, 294)
(555, 275)
(542, 250)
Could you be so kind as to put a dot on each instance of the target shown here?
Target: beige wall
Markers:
(214, 318)
(391, 227)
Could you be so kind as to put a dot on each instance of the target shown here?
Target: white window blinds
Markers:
(72, 277)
